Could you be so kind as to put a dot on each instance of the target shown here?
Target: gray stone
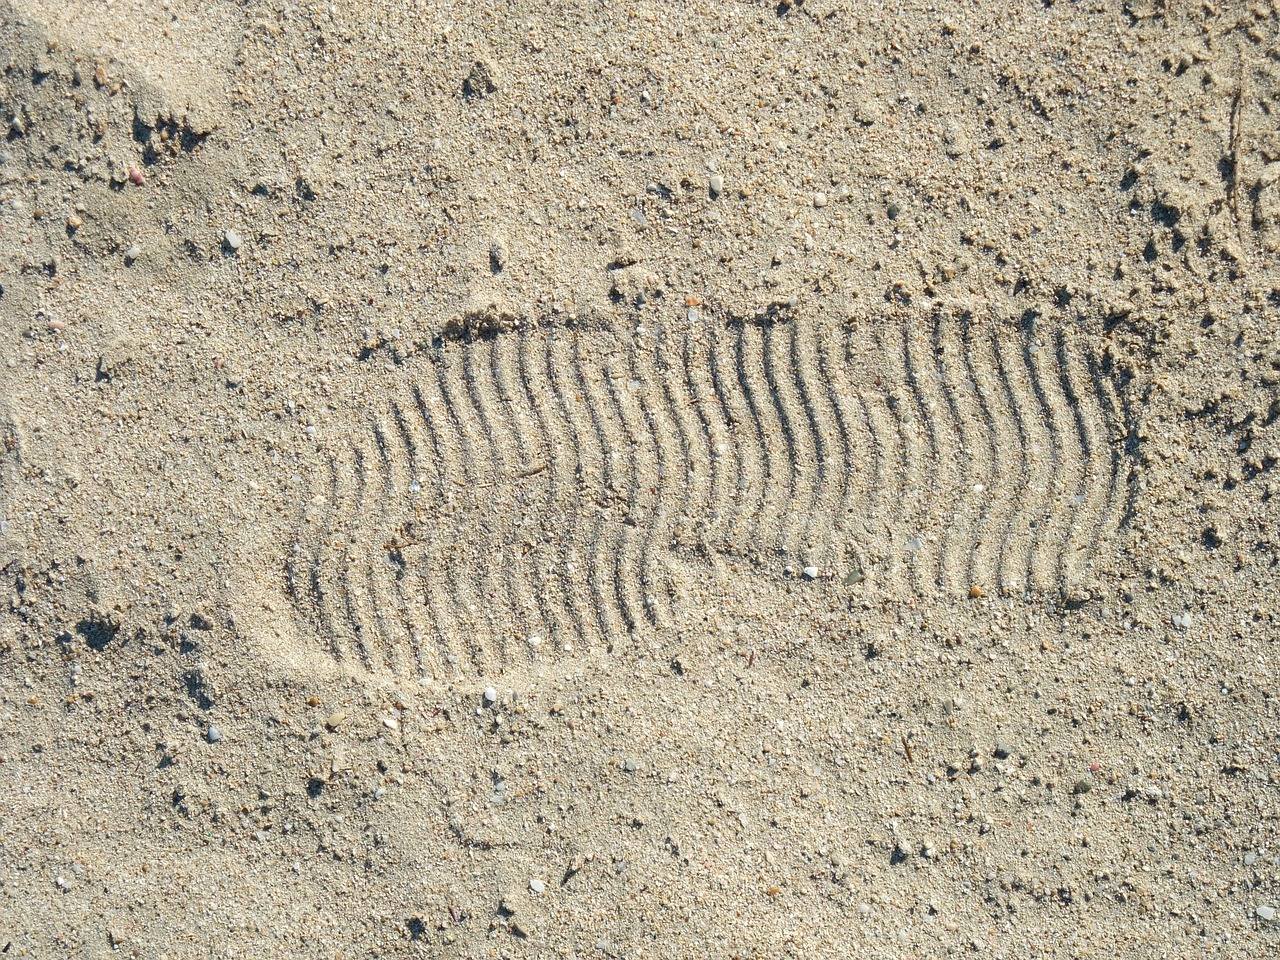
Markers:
(482, 81)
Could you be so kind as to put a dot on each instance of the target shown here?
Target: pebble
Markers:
(819, 199)
(232, 239)
(537, 886)
(715, 186)
(490, 695)
(213, 734)
(1266, 913)
(629, 766)
(391, 723)
(1182, 621)
(483, 79)
(1082, 787)
(133, 253)
(335, 719)
(1250, 859)
(810, 572)
(498, 256)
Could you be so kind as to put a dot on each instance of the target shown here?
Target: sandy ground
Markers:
(639, 480)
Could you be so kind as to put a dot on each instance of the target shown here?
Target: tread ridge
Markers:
(1041, 455)
(628, 558)
(665, 425)
(1088, 506)
(1117, 505)
(793, 521)
(750, 472)
(764, 536)
(576, 588)
(460, 497)
(410, 584)
(497, 589)
(839, 416)
(928, 560)
(822, 512)
(433, 573)
(605, 610)
(885, 415)
(510, 593)
(691, 474)
(984, 553)
(1014, 556)
(357, 604)
(876, 522)
(383, 589)
(959, 530)
(1068, 461)
(715, 522)
(530, 491)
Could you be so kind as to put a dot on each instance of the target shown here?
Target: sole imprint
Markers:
(537, 495)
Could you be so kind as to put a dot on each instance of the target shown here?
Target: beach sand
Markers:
(639, 480)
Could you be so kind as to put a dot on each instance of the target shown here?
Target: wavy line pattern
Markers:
(517, 498)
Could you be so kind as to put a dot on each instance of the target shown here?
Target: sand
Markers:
(639, 480)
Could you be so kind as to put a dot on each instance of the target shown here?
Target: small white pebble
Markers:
(1266, 913)
(819, 199)
(537, 886)
(811, 573)
(391, 723)
(979, 488)
(232, 240)
(310, 430)
(133, 253)
(490, 695)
